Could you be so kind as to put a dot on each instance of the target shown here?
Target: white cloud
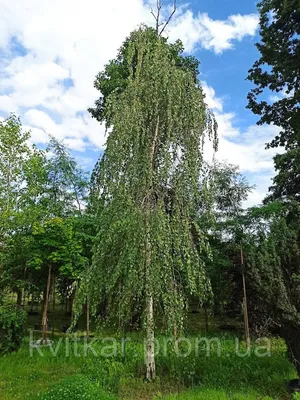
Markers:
(73, 130)
(7, 104)
(262, 183)
(248, 149)
(37, 135)
(40, 119)
(77, 144)
(210, 97)
(71, 39)
(243, 147)
(212, 34)
(64, 39)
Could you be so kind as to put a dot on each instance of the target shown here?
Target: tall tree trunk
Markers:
(87, 316)
(53, 302)
(42, 302)
(23, 290)
(45, 311)
(53, 295)
(150, 345)
(245, 305)
(245, 310)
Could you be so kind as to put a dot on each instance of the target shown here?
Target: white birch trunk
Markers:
(150, 339)
(150, 345)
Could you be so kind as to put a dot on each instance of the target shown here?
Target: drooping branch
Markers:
(158, 15)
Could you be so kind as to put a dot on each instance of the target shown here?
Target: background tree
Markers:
(277, 71)
(14, 152)
(67, 183)
(275, 258)
(22, 178)
(225, 228)
(273, 265)
(35, 192)
(55, 248)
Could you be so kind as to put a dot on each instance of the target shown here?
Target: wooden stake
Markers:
(245, 305)
(87, 317)
(45, 311)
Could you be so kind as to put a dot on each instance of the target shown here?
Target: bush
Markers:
(75, 387)
(107, 373)
(12, 323)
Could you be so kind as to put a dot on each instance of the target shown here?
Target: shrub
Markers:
(75, 387)
(12, 323)
(107, 373)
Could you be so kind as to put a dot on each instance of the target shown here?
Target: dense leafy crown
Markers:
(114, 78)
(278, 71)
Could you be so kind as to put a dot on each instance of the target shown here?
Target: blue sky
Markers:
(50, 52)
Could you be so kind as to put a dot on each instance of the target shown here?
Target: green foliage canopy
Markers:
(277, 71)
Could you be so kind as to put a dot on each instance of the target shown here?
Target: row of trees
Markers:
(274, 262)
(44, 232)
(156, 226)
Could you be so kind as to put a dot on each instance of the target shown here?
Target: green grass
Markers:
(75, 387)
(214, 377)
(210, 394)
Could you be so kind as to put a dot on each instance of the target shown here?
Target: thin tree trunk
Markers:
(206, 318)
(245, 308)
(176, 343)
(53, 295)
(19, 297)
(45, 311)
(175, 328)
(23, 290)
(150, 339)
(246, 320)
(87, 317)
(23, 297)
(71, 307)
(53, 303)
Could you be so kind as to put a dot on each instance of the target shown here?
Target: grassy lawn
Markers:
(117, 373)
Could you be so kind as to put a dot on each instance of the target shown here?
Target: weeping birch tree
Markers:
(147, 187)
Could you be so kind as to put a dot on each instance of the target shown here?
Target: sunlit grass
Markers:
(217, 376)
